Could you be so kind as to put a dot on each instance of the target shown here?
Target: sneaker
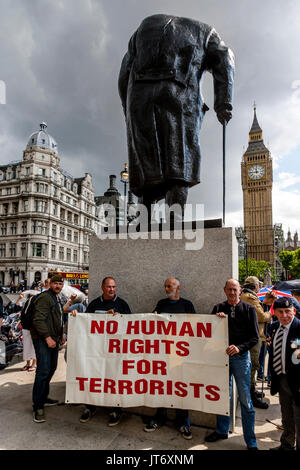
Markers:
(152, 426)
(114, 419)
(51, 402)
(86, 415)
(39, 416)
(186, 432)
(261, 379)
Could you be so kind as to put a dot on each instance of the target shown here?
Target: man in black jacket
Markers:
(285, 370)
(47, 335)
(243, 335)
(108, 302)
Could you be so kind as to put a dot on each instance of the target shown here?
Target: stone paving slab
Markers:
(63, 431)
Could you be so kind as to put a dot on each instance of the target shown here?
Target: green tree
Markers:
(287, 258)
(295, 265)
(255, 268)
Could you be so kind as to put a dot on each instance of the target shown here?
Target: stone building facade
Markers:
(46, 215)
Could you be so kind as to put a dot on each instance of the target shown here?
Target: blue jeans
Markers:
(240, 368)
(46, 362)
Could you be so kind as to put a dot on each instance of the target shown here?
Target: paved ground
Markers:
(63, 431)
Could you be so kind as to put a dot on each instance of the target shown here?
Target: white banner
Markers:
(171, 361)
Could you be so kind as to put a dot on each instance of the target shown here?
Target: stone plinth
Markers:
(141, 266)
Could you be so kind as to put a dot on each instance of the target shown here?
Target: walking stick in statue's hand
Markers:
(224, 170)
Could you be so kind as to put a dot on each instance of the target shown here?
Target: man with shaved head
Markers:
(172, 304)
(243, 334)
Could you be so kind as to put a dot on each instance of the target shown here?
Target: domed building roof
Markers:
(42, 138)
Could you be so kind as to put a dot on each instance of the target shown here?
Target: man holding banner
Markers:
(108, 302)
(243, 335)
(172, 304)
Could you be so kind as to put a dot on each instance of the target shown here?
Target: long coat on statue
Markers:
(159, 85)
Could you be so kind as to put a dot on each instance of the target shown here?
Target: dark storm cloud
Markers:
(60, 61)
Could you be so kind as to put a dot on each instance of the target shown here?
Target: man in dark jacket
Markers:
(285, 370)
(47, 335)
(159, 86)
(107, 302)
(243, 335)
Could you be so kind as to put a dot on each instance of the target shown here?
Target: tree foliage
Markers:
(255, 268)
(291, 262)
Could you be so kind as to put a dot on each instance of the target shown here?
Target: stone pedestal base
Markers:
(140, 267)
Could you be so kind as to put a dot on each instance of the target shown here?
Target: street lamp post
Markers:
(26, 263)
(124, 179)
(246, 253)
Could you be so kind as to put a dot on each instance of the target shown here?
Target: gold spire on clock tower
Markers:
(257, 181)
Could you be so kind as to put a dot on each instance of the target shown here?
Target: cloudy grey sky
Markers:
(60, 61)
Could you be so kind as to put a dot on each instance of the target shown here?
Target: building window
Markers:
(5, 209)
(53, 251)
(53, 230)
(39, 249)
(24, 227)
(2, 250)
(27, 169)
(12, 249)
(41, 188)
(69, 235)
(23, 250)
(62, 233)
(39, 227)
(13, 228)
(25, 205)
(15, 207)
(61, 253)
(41, 206)
(75, 237)
(85, 257)
(54, 209)
(68, 254)
(75, 256)
(4, 228)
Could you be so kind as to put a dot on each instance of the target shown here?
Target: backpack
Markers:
(28, 311)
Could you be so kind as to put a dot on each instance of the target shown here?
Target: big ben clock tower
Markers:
(257, 180)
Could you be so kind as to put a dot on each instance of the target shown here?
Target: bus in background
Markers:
(78, 280)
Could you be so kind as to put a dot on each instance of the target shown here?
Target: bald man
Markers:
(243, 334)
(172, 304)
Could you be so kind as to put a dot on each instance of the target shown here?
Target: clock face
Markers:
(256, 172)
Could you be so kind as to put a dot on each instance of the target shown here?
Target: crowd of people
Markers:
(255, 329)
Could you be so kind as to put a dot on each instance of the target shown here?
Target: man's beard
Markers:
(171, 294)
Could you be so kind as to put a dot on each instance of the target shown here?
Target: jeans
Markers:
(46, 361)
(240, 368)
(263, 352)
(182, 417)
